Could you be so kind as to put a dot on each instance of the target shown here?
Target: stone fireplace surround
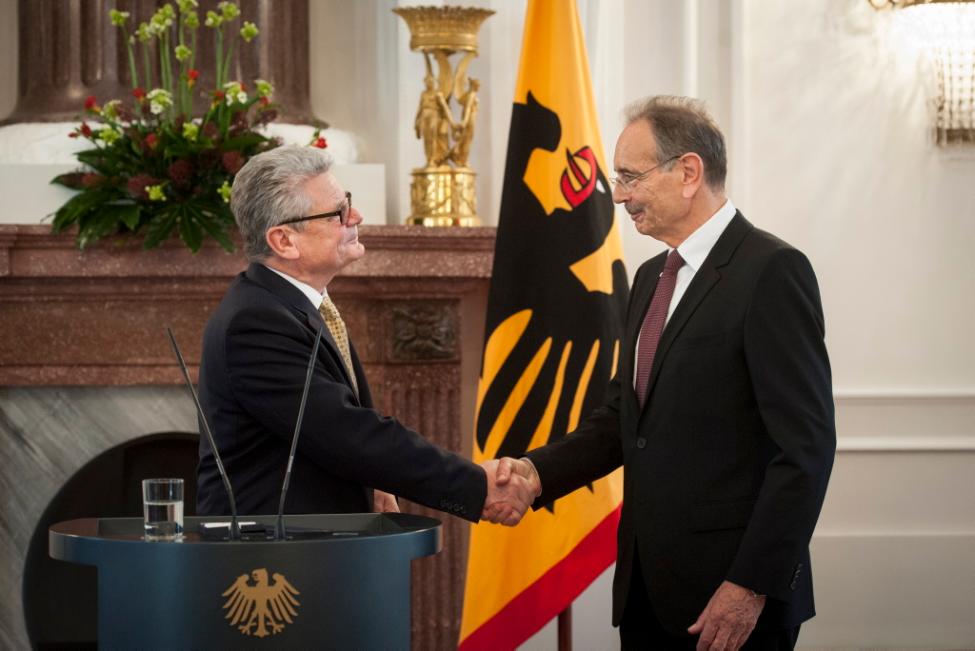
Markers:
(85, 365)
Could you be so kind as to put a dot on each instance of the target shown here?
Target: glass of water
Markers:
(162, 506)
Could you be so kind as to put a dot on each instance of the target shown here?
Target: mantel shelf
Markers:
(96, 317)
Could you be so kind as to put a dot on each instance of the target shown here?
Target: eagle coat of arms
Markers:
(263, 608)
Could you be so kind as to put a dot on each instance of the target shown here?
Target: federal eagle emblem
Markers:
(261, 609)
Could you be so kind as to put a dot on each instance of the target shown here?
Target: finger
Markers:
(737, 641)
(503, 474)
(499, 513)
(513, 518)
(720, 642)
(698, 625)
(707, 636)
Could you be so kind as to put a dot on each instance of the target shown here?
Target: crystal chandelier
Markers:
(946, 29)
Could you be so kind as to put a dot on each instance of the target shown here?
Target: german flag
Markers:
(552, 339)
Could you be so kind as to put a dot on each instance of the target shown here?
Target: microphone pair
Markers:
(235, 528)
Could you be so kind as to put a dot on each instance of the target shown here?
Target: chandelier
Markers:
(946, 29)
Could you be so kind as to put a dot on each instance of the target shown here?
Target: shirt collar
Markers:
(313, 294)
(696, 248)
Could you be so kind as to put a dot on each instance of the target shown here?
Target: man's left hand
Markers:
(728, 619)
(384, 502)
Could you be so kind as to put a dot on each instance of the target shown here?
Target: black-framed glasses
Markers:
(624, 181)
(342, 213)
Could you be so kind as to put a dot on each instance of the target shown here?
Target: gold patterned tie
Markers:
(335, 324)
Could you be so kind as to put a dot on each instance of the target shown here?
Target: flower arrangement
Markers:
(154, 167)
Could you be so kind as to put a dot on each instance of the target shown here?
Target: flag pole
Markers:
(565, 629)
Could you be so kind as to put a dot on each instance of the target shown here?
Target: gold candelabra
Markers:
(442, 192)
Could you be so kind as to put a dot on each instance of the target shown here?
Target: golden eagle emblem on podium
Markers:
(263, 608)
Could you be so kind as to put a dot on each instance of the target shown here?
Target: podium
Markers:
(342, 582)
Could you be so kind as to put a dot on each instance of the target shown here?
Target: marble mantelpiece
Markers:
(85, 365)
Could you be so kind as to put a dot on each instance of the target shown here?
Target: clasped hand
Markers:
(512, 486)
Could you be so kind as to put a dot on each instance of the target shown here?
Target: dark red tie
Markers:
(653, 323)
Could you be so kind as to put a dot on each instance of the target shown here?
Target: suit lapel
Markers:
(703, 282)
(299, 303)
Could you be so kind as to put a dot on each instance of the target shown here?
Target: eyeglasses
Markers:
(342, 213)
(625, 181)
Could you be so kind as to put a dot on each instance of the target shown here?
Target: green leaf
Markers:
(97, 223)
(80, 204)
(189, 229)
(128, 214)
(217, 231)
(160, 228)
(243, 141)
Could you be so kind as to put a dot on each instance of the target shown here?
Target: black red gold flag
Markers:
(554, 321)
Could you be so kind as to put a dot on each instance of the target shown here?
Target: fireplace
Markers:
(85, 367)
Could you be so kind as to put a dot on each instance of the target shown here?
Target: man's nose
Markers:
(619, 193)
(355, 217)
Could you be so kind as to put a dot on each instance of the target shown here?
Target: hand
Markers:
(507, 500)
(728, 619)
(508, 466)
(384, 502)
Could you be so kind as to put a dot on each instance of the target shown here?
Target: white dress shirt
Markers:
(693, 250)
(313, 294)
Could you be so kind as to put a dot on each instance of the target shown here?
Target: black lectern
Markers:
(340, 582)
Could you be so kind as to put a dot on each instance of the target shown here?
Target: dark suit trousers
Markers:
(640, 629)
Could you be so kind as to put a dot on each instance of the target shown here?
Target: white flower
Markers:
(234, 93)
(159, 100)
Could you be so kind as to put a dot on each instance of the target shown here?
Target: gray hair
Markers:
(681, 125)
(268, 190)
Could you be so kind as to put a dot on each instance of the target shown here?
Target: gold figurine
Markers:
(442, 192)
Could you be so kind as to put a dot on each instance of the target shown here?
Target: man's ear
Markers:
(692, 171)
(281, 239)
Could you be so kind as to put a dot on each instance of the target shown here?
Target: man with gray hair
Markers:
(300, 230)
(721, 413)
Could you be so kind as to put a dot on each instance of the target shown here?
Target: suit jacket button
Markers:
(641, 443)
(792, 586)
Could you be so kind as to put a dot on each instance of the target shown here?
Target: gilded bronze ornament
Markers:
(442, 192)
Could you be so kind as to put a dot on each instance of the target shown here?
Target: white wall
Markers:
(828, 130)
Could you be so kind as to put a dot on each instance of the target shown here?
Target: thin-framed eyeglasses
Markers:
(343, 213)
(626, 180)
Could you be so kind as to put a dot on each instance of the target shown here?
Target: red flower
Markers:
(73, 134)
(265, 101)
(91, 103)
(85, 130)
(138, 93)
(152, 140)
(181, 173)
(211, 131)
(320, 142)
(233, 161)
(219, 95)
(192, 76)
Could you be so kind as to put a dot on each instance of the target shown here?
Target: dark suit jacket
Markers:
(255, 358)
(725, 469)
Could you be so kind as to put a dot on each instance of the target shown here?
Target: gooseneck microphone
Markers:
(279, 532)
(234, 527)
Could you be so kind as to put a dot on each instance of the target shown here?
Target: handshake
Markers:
(512, 486)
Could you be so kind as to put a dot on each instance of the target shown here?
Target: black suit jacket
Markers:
(725, 469)
(256, 348)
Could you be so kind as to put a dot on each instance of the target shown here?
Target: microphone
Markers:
(234, 527)
(279, 533)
